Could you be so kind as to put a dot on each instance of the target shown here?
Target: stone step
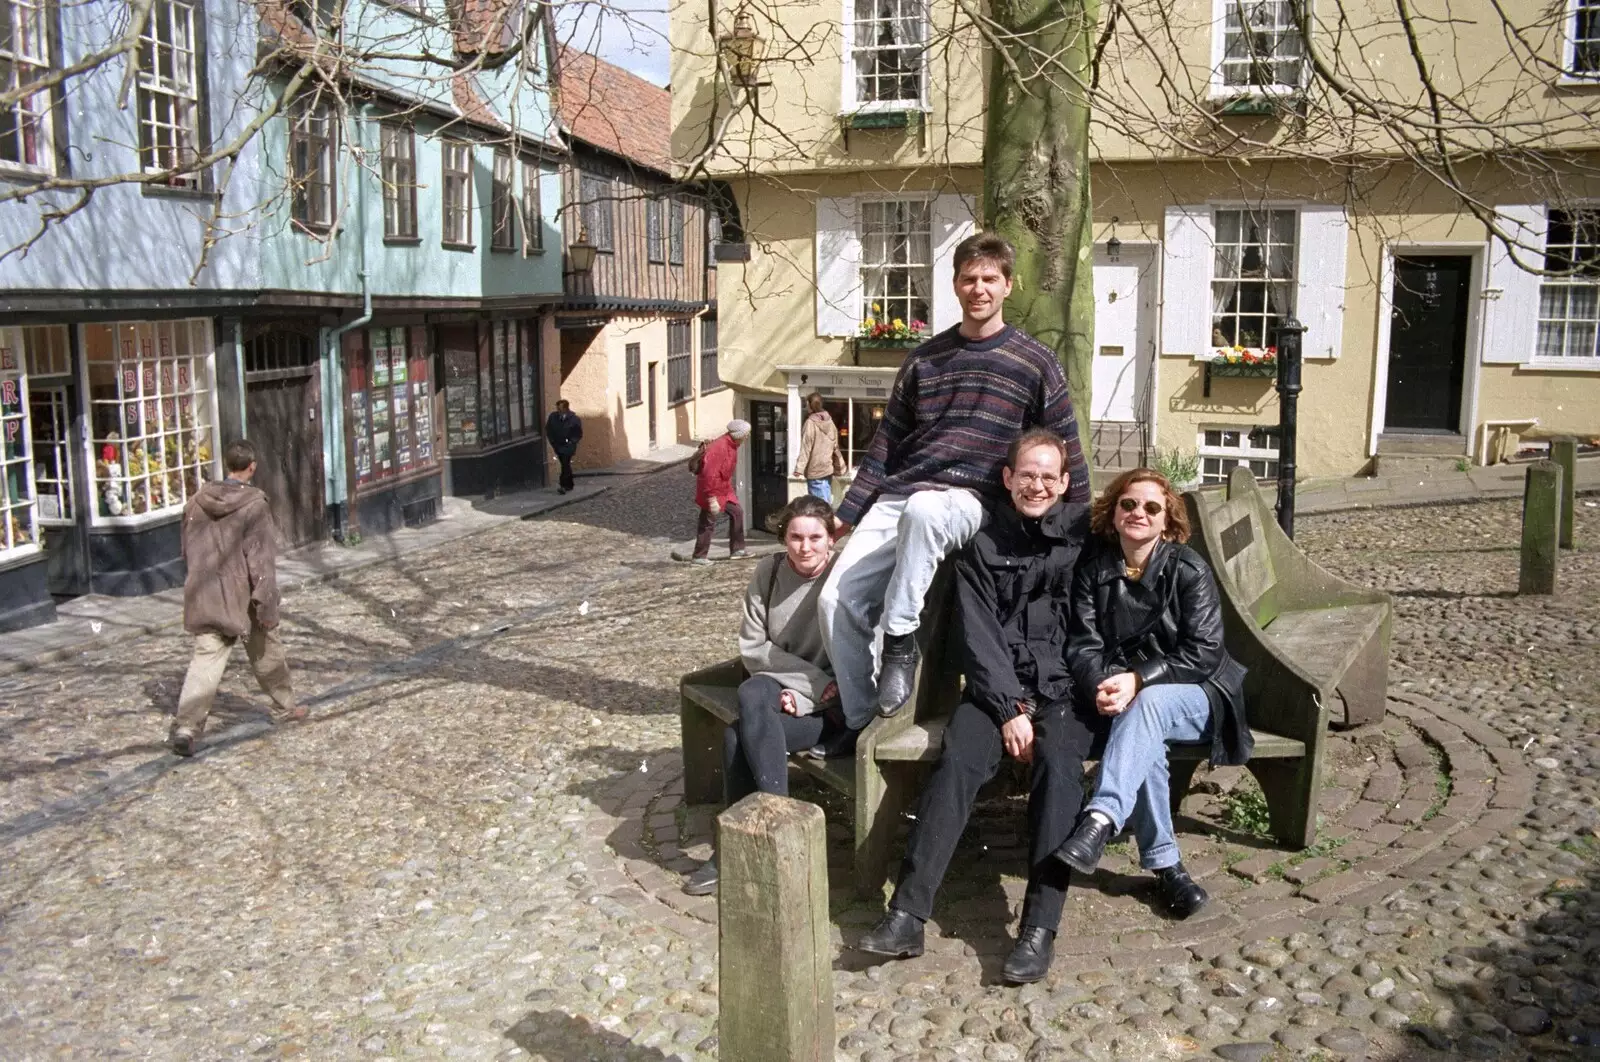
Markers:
(1405, 465)
(1405, 443)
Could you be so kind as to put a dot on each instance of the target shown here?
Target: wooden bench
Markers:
(1315, 645)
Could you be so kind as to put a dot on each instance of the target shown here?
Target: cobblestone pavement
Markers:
(472, 849)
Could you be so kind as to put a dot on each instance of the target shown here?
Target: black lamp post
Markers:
(1289, 333)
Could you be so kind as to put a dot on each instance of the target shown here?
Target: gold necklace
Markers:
(1133, 571)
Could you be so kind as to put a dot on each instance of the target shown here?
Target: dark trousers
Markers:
(971, 756)
(708, 523)
(755, 750)
(566, 470)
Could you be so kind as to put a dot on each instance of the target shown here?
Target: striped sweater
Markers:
(956, 406)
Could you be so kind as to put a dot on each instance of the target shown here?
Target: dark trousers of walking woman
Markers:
(708, 524)
(972, 755)
(755, 750)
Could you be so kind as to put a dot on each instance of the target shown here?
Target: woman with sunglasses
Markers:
(1146, 648)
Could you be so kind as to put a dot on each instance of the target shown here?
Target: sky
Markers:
(630, 33)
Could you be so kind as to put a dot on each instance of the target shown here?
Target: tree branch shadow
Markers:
(558, 1037)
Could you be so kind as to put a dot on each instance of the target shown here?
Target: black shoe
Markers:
(1082, 851)
(1179, 891)
(840, 743)
(182, 743)
(898, 673)
(1030, 959)
(702, 882)
(897, 935)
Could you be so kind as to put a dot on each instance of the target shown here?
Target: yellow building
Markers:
(1233, 187)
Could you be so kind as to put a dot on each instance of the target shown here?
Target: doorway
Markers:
(769, 461)
(53, 405)
(1124, 301)
(282, 400)
(651, 402)
(1428, 343)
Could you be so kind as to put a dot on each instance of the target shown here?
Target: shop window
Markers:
(857, 420)
(492, 390)
(391, 405)
(47, 358)
(150, 409)
(19, 525)
(680, 363)
(1221, 449)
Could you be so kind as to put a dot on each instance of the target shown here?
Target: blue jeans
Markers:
(1133, 773)
(820, 488)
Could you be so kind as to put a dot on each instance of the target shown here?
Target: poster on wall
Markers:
(382, 452)
(363, 457)
(402, 410)
(380, 412)
(422, 413)
(380, 359)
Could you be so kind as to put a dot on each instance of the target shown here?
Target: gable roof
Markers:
(608, 108)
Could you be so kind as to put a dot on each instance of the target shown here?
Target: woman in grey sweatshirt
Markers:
(790, 701)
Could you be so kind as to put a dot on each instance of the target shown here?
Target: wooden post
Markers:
(1564, 452)
(1541, 525)
(776, 959)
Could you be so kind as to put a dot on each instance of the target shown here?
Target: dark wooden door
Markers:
(651, 398)
(1428, 343)
(769, 461)
(283, 418)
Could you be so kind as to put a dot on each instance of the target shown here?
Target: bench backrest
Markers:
(1239, 554)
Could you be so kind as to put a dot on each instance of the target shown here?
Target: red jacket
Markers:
(716, 474)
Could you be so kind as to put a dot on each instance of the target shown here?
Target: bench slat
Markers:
(1325, 641)
(923, 742)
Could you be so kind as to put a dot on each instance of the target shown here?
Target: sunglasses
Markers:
(1151, 508)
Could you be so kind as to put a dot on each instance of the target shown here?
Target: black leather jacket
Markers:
(1167, 627)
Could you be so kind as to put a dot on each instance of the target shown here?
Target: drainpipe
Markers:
(337, 491)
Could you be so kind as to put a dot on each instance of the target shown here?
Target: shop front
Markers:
(493, 431)
(24, 591)
(392, 450)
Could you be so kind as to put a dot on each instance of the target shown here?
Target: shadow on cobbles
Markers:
(558, 1037)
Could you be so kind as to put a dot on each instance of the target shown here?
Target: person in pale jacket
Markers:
(790, 701)
(820, 459)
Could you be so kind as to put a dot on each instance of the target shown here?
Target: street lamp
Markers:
(742, 51)
(1114, 245)
(1288, 386)
(581, 253)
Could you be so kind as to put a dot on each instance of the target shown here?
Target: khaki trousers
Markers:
(211, 652)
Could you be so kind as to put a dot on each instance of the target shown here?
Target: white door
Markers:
(1124, 334)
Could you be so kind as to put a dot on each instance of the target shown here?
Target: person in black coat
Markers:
(564, 429)
(1012, 586)
(1146, 649)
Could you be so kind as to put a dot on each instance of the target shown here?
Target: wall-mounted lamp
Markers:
(742, 51)
(581, 252)
(1114, 245)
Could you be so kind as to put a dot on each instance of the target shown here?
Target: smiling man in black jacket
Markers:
(1013, 595)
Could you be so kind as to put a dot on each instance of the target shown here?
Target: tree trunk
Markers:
(1036, 176)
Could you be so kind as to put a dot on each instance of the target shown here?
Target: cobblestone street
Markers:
(472, 848)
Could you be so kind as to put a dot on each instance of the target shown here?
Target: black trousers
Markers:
(755, 750)
(708, 524)
(971, 757)
(566, 470)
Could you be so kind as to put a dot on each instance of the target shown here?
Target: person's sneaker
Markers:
(1030, 959)
(706, 561)
(296, 714)
(702, 882)
(739, 554)
(182, 742)
(1082, 851)
(897, 935)
(898, 673)
(1182, 895)
(840, 743)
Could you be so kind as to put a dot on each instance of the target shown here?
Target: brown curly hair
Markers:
(1102, 511)
(805, 505)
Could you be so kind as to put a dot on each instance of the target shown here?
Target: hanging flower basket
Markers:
(1244, 361)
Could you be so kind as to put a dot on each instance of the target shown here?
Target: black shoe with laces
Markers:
(1082, 851)
(1181, 893)
(897, 935)
(898, 673)
(1030, 959)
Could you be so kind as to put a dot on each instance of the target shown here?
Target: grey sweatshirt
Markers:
(783, 638)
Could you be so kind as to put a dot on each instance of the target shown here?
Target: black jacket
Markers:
(1167, 627)
(563, 430)
(1013, 584)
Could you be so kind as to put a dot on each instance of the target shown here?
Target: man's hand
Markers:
(1017, 737)
(789, 703)
(840, 529)
(1113, 696)
(713, 506)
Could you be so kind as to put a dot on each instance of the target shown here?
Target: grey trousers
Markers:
(211, 653)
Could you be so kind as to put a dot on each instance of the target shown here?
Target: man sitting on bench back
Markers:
(1012, 595)
(957, 403)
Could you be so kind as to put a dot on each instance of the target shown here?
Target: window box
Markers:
(1247, 369)
(889, 344)
(1254, 105)
(892, 119)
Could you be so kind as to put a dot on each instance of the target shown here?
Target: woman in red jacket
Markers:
(714, 494)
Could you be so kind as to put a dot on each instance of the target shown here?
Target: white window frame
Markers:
(1243, 451)
(1219, 46)
(397, 149)
(1292, 283)
(849, 101)
(864, 310)
(1570, 74)
(33, 111)
(15, 433)
(1582, 363)
(455, 165)
(47, 362)
(503, 202)
(203, 359)
(304, 114)
(530, 207)
(173, 143)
